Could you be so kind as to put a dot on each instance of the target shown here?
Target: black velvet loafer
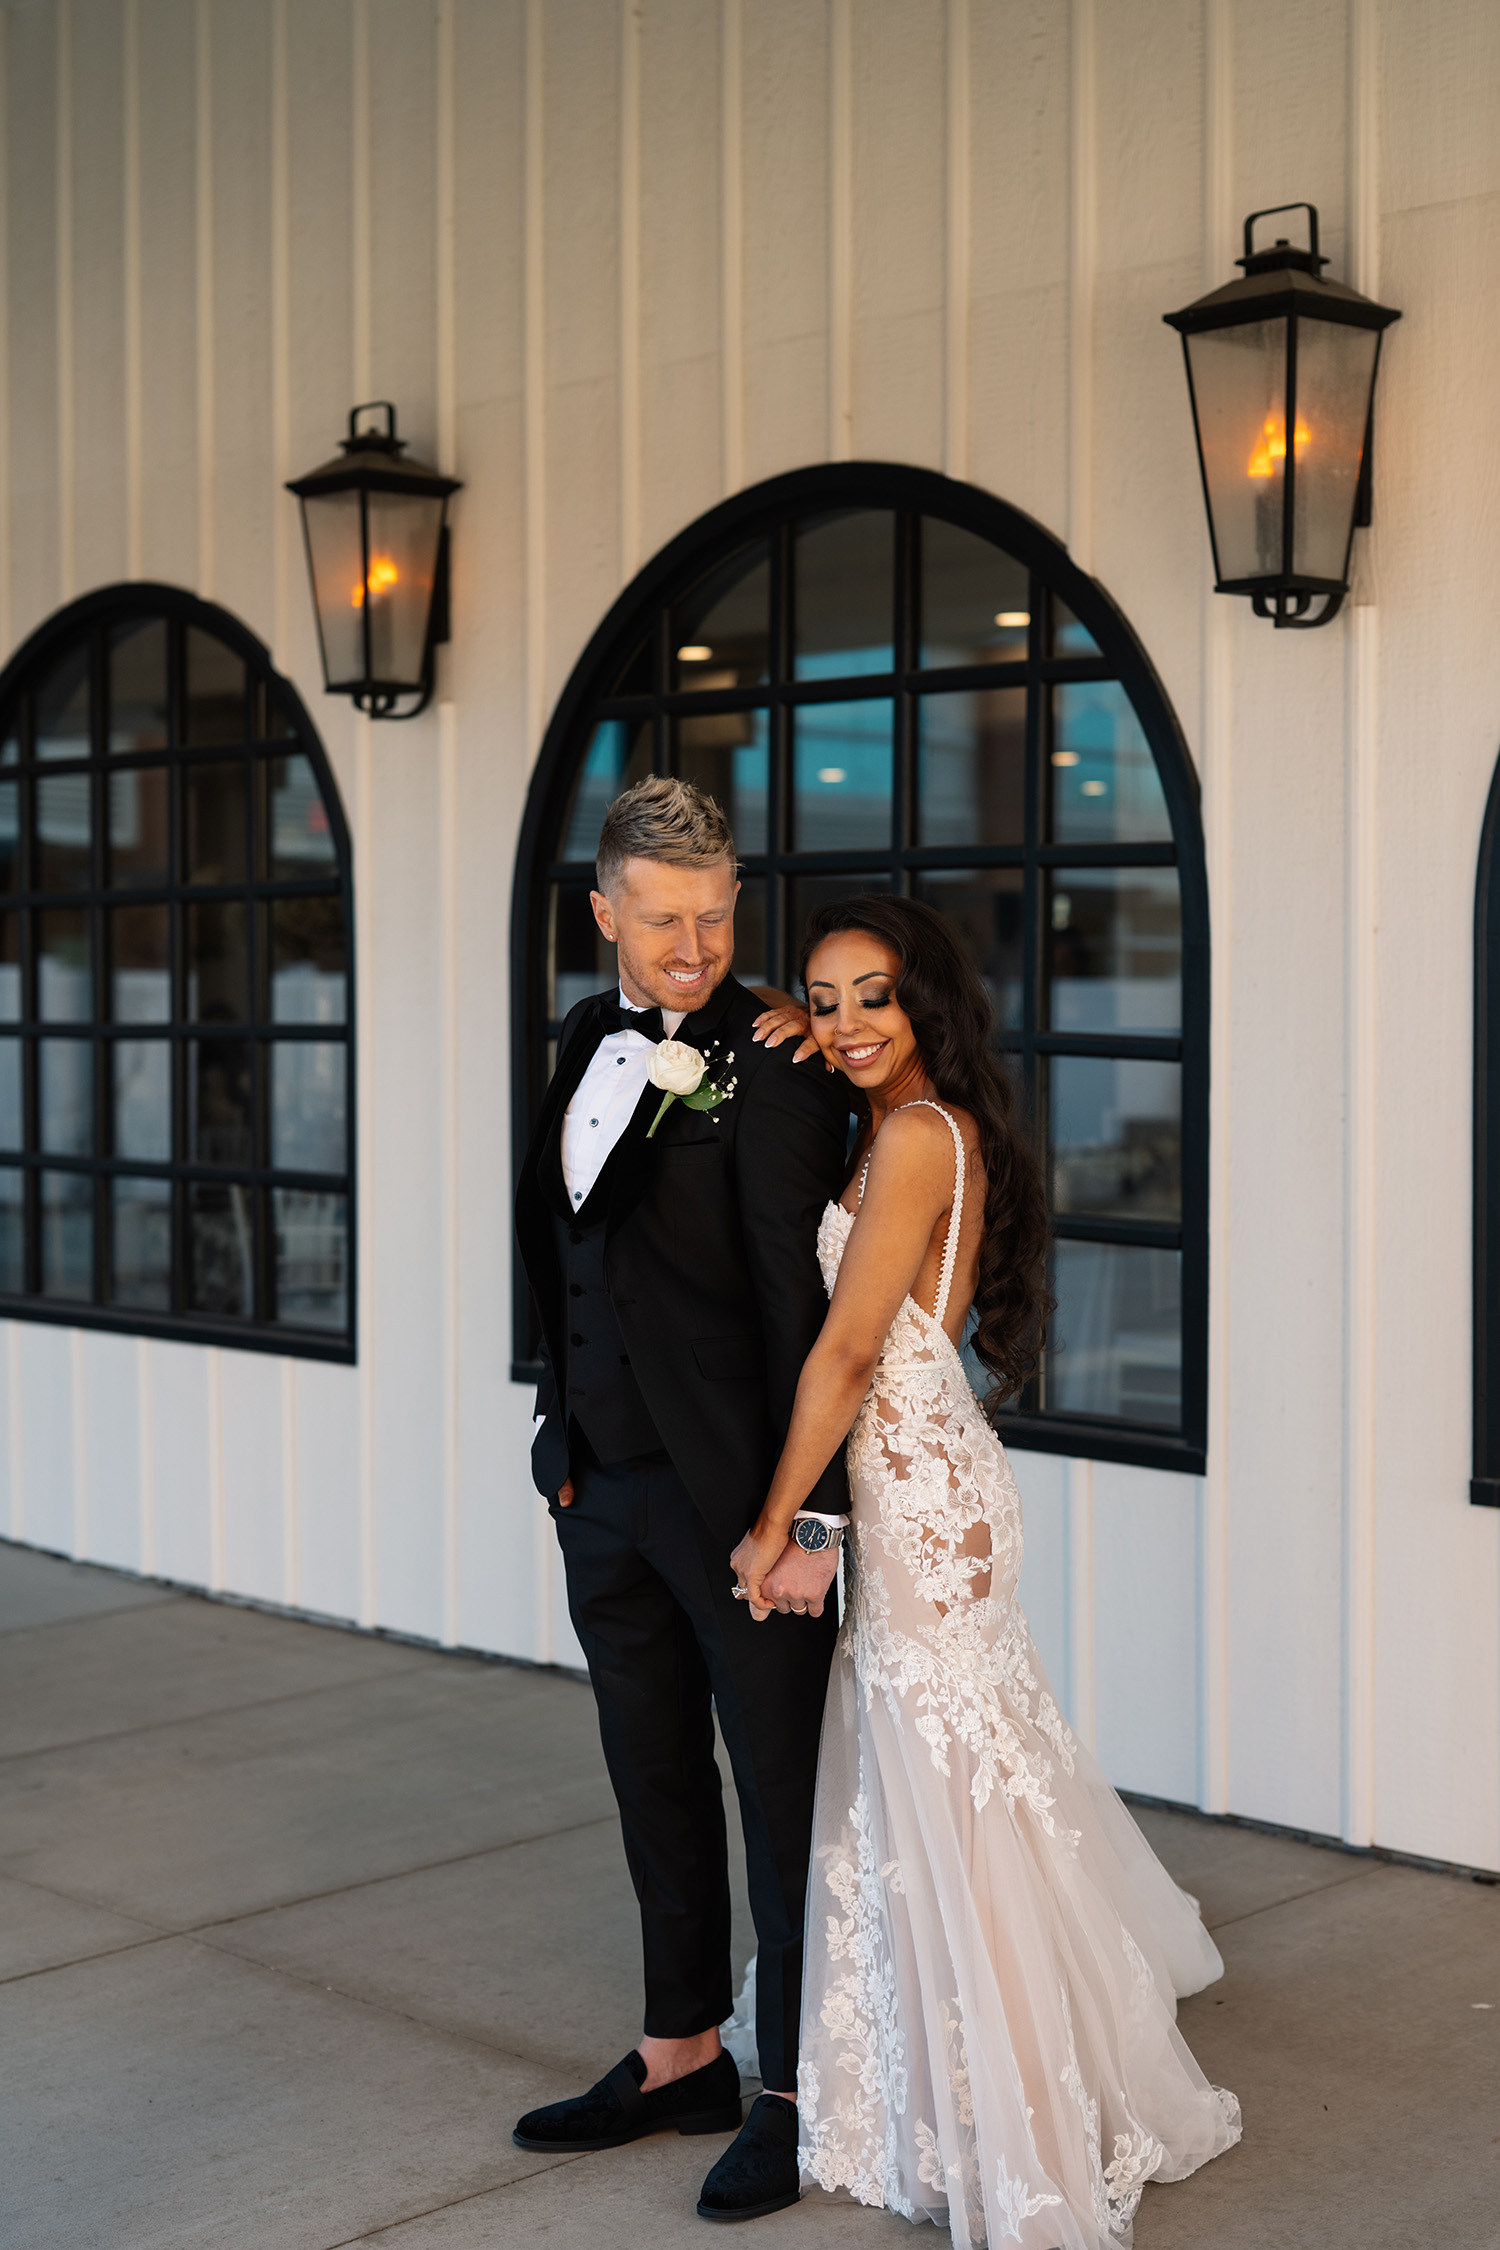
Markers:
(758, 2173)
(616, 2111)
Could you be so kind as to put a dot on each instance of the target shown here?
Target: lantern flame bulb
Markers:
(1270, 446)
(383, 575)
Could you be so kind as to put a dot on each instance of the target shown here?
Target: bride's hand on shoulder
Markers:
(784, 1018)
(752, 1562)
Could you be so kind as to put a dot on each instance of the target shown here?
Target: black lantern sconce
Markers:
(377, 550)
(1284, 350)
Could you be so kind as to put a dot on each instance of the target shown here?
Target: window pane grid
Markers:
(173, 918)
(1089, 954)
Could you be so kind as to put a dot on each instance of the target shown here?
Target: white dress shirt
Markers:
(605, 1102)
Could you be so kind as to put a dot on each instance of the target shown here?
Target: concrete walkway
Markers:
(293, 1923)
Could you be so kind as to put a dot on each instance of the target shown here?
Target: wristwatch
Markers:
(815, 1534)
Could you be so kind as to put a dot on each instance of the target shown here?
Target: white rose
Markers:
(675, 1067)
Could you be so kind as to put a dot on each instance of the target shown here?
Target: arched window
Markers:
(176, 982)
(890, 680)
(1484, 1491)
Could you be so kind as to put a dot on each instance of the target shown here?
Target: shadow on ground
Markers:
(294, 1922)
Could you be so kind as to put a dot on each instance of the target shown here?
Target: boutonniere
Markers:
(682, 1074)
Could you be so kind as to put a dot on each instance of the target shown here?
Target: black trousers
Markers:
(666, 1642)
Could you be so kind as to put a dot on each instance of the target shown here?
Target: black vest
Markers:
(598, 1385)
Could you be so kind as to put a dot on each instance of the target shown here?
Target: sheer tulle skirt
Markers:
(988, 2034)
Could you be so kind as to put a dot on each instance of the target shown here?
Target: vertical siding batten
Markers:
(1082, 277)
(448, 872)
(1361, 959)
(360, 326)
(67, 434)
(1218, 801)
(959, 246)
(732, 242)
(203, 216)
(130, 102)
(840, 230)
(630, 289)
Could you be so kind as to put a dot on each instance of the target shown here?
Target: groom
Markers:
(676, 1275)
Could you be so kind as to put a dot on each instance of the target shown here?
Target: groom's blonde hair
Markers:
(662, 819)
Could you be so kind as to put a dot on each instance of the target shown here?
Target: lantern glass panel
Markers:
(1335, 373)
(333, 545)
(404, 533)
(1239, 390)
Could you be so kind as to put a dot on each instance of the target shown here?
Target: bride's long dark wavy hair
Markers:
(940, 990)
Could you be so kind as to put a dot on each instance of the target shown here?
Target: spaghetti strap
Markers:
(955, 1216)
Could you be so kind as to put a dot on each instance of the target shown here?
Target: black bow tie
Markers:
(612, 1017)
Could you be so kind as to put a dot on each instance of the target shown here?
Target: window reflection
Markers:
(971, 769)
(220, 1109)
(62, 708)
(138, 686)
(1113, 948)
(143, 1100)
(12, 1086)
(618, 756)
(214, 822)
(298, 835)
(1105, 787)
(582, 962)
(841, 776)
(139, 836)
(141, 1243)
(721, 632)
(218, 962)
(67, 1235)
(308, 961)
(65, 1089)
(215, 690)
(64, 968)
(312, 1258)
(806, 893)
(10, 837)
(987, 906)
(1115, 1125)
(307, 1107)
(221, 1249)
(845, 595)
(976, 599)
(10, 968)
(64, 831)
(12, 1231)
(728, 754)
(140, 964)
(1116, 1345)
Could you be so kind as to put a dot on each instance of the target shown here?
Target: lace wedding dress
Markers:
(994, 1954)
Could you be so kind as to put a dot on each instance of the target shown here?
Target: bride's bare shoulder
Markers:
(916, 1141)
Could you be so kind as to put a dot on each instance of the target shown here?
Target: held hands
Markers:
(774, 1573)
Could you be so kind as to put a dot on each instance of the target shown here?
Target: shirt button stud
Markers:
(593, 1120)
(575, 1338)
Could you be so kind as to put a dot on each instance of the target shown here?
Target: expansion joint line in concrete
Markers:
(161, 1933)
(455, 2203)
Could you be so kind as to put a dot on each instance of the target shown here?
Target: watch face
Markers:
(812, 1538)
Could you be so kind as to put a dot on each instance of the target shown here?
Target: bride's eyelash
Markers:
(830, 1008)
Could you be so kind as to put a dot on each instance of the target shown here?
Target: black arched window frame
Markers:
(92, 618)
(771, 510)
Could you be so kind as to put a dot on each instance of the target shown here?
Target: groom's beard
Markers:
(652, 983)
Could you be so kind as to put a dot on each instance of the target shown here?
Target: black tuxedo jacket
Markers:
(710, 1254)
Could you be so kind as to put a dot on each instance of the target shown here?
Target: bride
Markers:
(994, 1955)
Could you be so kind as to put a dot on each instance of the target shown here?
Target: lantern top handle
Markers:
(1282, 254)
(377, 441)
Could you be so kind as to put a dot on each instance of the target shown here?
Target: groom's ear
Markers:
(604, 915)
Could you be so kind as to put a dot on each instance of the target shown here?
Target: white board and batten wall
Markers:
(614, 261)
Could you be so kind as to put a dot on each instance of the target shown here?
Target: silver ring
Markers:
(739, 1593)
(796, 1612)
